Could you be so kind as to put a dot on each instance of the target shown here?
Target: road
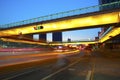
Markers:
(18, 58)
(82, 66)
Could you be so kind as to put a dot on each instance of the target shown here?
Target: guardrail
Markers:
(108, 6)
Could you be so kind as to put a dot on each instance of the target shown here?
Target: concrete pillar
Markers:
(57, 36)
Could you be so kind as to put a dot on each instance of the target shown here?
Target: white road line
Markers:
(23, 73)
(90, 74)
(44, 77)
(93, 70)
(60, 70)
(18, 75)
(88, 77)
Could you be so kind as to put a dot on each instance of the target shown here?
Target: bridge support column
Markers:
(57, 36)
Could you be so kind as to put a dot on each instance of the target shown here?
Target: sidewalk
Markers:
(107, 65)
(114, 53)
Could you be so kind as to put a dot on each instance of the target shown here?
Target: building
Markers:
(106, 1)
(57, 36)
(69, 40)
(43, 37)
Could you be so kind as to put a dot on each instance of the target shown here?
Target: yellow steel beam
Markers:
(114, 32)
(23, 41)
(74, 23)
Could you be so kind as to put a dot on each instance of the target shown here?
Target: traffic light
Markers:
(38, 27)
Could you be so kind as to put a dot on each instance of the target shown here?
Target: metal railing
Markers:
(106, 32)
(90, 9)
(73, 41)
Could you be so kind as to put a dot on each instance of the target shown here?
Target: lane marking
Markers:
(23, 73)
(88, 77)
(93, 70)
(12, 77)
(60, 70)
(90, 74)
(38, 69)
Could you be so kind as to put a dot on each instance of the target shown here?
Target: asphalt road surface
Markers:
(82, 66)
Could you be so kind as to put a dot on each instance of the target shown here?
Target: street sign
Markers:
(38, 27)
